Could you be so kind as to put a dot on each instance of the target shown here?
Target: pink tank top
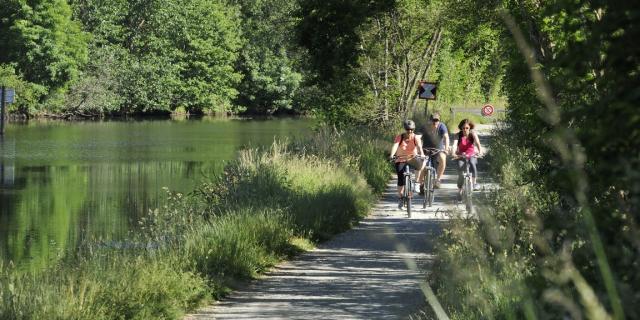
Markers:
(465, 146)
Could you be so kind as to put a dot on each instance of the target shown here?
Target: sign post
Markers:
(2, 103)
(427, 91)
(7, 95)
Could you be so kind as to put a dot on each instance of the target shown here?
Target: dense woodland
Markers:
(560, 239)
(336, 59)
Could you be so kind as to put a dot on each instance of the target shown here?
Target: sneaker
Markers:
(476, 187)
(459, 197)
(400, 203)
(436, 185)
(416, 187)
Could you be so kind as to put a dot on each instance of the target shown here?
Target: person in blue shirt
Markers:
(436, 135)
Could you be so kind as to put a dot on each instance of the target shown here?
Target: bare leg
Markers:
(400, 201)
(420, 176)
(442, 163)
(400, 191)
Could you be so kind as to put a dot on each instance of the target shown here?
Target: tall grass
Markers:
(264, 207)
(359, 149)
(546, 248)
(484, 262)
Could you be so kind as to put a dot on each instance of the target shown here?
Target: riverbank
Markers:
(21, 118)
(267, 206)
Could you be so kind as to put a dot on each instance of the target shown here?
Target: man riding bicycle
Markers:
(405, 149)
(436, 135)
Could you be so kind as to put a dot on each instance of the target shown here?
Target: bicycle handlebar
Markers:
(461, 156)
(433, 151)
(393, 158)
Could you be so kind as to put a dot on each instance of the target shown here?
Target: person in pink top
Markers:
(465, 146)
(405, 149)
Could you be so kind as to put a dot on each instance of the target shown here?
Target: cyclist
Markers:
(465, 146)
(406, 147)
(436, 135)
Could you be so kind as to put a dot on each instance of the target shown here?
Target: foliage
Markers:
(390, 47)
(560, 237)
(95, 91)
(345, 62)
(43, 44)
(392, 56)
(209, 42)
(329, 30)
(27, 94)
(165, 54)
(468, 72)
(268, 59)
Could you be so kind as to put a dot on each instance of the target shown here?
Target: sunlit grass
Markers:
(268, 206)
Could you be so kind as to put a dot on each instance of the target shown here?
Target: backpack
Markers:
(415, 140)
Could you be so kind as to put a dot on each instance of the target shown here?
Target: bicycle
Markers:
(409, 185)
(467, 187)
(430, 177)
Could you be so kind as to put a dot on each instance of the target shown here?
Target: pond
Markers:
(62, 183)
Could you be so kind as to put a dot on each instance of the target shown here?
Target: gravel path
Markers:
(374, 271)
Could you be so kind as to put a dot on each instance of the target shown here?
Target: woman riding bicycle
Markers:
(405, 149)
(465, 147)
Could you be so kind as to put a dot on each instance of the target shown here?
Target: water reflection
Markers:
(63, 183)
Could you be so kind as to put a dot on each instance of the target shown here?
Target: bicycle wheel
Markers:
(468, 191)
(425, 189)
(408, 189)
(431, 188)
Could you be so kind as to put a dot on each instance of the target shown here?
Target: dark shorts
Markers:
(415, 163)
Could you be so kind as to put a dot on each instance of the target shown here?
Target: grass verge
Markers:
(268, 205)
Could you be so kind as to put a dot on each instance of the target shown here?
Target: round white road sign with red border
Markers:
(487, 110)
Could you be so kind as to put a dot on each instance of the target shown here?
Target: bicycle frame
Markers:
(407, 194)
(430, 176)
(468, 185)
(409, 183)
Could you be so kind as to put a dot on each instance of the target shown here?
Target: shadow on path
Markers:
(361, 274)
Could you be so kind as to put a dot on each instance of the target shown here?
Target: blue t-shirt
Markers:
(434, 138)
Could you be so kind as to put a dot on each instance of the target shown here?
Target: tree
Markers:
(399, 49)
(167, 54)
(42, 41)
(329, 31)
(206, 35)
(268, 59)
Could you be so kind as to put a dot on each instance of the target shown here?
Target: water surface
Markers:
(63, 182)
